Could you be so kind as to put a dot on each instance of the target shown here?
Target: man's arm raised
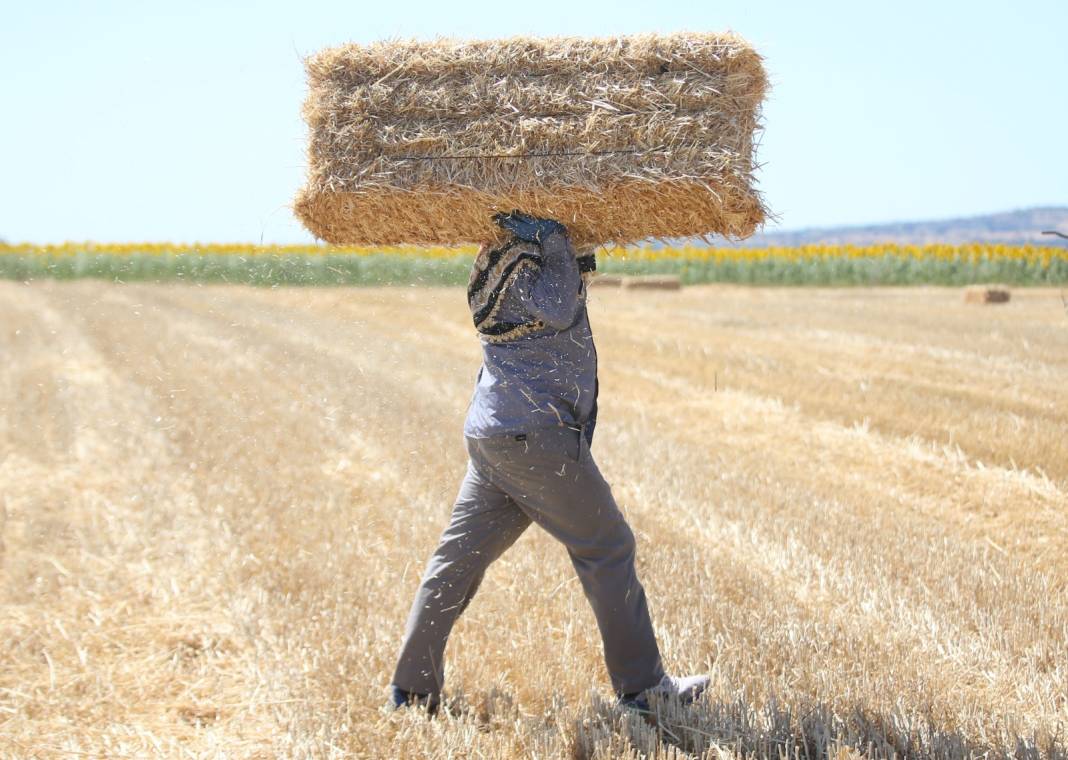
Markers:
(553, 293)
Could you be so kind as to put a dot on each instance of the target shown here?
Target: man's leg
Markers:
(485, 522)
(553, 478)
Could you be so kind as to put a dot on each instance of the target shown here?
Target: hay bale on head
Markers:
(619, 138)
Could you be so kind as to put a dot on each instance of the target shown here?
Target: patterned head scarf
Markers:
(494, 272)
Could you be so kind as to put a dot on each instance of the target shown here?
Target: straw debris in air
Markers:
(622, 138)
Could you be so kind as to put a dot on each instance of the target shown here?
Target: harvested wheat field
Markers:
(851, 509)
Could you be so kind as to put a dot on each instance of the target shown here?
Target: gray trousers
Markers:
(550, 479)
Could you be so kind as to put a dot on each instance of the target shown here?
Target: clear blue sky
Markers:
(180, 121)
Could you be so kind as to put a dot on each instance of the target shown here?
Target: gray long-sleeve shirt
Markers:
(547, 378)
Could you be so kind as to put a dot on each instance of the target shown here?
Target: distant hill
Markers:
(1014, 227)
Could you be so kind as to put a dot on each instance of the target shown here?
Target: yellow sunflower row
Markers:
(945, 252)
(227, 249)
(934, 252)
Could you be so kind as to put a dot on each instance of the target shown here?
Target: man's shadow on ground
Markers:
(738, 728)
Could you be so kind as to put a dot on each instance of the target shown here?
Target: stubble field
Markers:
(851, 509)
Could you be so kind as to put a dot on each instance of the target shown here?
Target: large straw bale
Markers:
(621, 138)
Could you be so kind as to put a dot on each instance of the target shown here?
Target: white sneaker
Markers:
(685, 688)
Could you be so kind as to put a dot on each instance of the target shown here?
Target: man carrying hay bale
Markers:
(528, 430)
(624, 139)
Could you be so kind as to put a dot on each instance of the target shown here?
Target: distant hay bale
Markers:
(620, 138)
(652, 282)
(986, 294)
(607, 281)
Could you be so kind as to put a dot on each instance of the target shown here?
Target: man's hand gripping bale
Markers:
(528, 431)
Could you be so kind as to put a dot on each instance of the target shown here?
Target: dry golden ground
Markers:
(851, 508)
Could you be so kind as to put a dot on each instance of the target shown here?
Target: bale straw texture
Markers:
(620, 138)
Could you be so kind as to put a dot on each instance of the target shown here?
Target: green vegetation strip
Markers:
(406, 269)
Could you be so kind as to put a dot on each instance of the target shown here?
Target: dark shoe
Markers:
(636, 702)
(401, 698)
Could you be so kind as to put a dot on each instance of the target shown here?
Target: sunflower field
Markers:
(884, 264)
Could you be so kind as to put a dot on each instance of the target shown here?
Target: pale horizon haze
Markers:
(144, 121)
